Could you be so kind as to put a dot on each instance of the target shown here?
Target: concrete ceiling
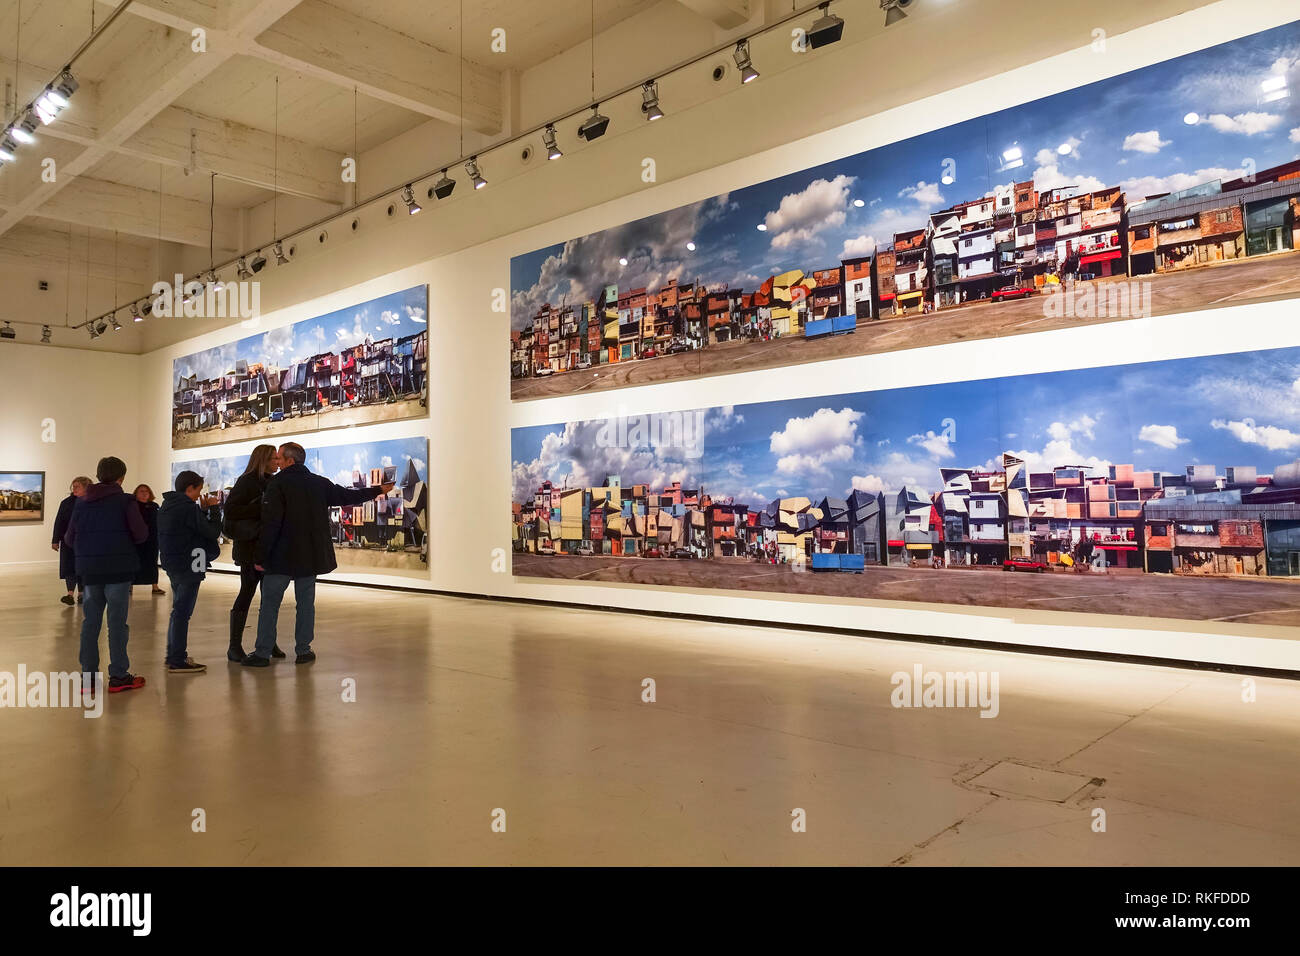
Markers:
(153, 122)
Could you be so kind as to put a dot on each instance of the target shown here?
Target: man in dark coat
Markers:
(67, 558)
(105, 528)
(187, 544)
(295, 545)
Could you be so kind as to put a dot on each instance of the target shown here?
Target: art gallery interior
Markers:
(750, 311)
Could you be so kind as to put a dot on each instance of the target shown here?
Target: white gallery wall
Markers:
(471, 414)
(89, 404)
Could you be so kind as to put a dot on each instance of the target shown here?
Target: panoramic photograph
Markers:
(1104, 490)
(1166, 189)
(363, 364)
(387, 533)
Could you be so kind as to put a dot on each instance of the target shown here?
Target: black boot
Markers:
(235, 652)
(276, 652)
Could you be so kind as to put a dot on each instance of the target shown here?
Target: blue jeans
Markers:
(304, 623)
(116, 598)
(185, 592)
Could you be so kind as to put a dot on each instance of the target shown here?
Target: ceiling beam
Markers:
(727, 14)
(164, 68)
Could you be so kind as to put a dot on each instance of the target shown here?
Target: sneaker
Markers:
(129, 682)
(276, 652)
(305, 658)
(68, 600)
(252, 660)
(188, 667)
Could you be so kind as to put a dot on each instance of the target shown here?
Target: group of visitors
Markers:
(276, 516)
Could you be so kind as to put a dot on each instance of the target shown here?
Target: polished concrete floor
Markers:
(463, 708)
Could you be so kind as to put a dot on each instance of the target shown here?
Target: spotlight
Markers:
(116, 327)
(280, 258)
(743, 62)
(93, 334)
(8, 332)
(408, 197)
(650, 100)
(20, 133)
(7, 149)
(443, 187)
(215, 283)
(60, 92)
(552, 147)
(100, 327)
(594, 126)
(894, 10)
(826, 29)
(241, 270)
(258, 262)
(471, 167)
(45, 111)
(45, 335)
(137, 313)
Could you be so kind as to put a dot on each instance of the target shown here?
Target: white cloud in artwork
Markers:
(1244, 124)
(868, 483)
(1048, 176)
(940, 446)
(927, 194)
(389, 317)
(1267, 436)
(859, 246)
(1162, 436)
(1145, 142)
(811, 444)
(801, 216)
(415, 313)
(1295, 135)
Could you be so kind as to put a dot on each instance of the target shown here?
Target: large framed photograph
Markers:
(1170, 188)
(22, 496)
(367, 363)
(387, 534)
(1166, 489)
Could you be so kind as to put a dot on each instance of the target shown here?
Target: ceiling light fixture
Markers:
(650, 100)
(548, 140)
(137, 313)
(471, 167)
(826, 29)
(743, 62)
(7, 149)
(258, 262)
(443, 187)
(594, 126)
(241, 270)
(894, 10)
(408, 197)
(280, 258)
(8, 332)
(116, 327)
(45, 335)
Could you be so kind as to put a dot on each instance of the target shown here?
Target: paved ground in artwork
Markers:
(1272, 601)
(1225, 284)
(20, 516)
(338, 417)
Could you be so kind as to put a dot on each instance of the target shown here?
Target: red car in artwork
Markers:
(1013, 292)
(652, 553)
(1024, 564)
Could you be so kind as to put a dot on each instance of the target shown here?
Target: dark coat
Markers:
(245, 504)
(183, 529)
(67, 556)
(295, 537)
(106, 526)
(148, 549)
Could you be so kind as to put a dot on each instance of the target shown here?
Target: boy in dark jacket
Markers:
(187, 543)
(103, 532)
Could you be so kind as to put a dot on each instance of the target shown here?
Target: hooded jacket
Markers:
(183, 533)
(103, 532)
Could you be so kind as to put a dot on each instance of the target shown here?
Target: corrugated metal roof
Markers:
(1141, 215)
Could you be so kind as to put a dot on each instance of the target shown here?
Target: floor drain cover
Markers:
(1024, 781)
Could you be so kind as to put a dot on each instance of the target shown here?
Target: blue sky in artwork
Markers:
(1128, 130)
(1239, 409)
(335, 462)
(390, 316)
(15, 481)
